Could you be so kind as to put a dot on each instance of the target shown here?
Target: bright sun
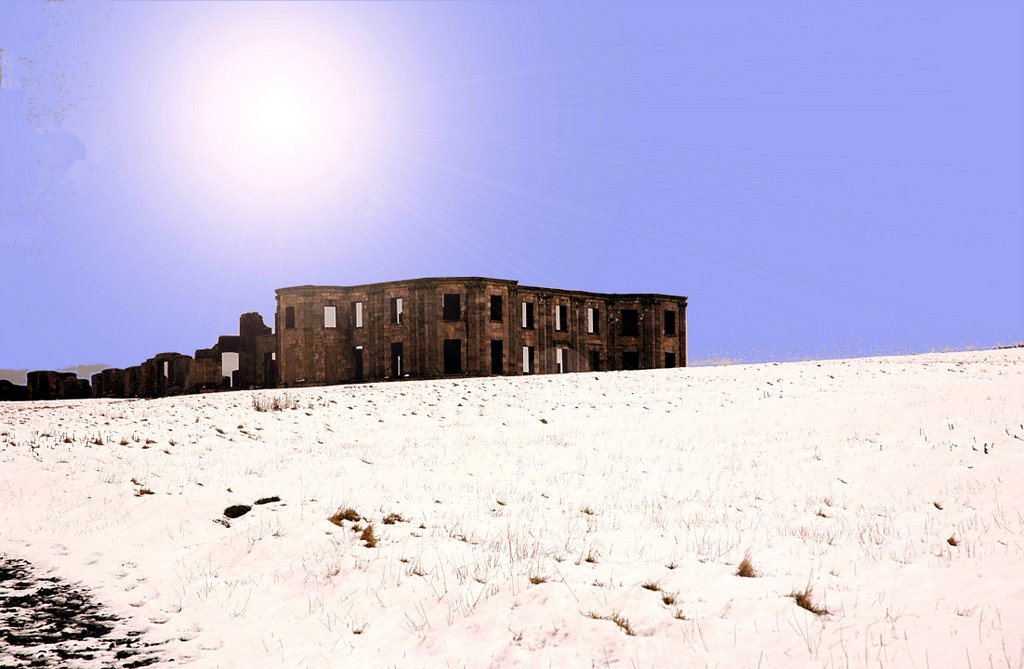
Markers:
(272, 114)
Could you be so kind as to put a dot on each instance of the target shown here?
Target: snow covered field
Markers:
(572, 521)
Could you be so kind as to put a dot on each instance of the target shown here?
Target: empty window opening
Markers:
(561, 317)
(528, 315)
(357, 314)
(269, 368)
(527, 360)
(397, 369)
(630, 360)
(289, 318)
(452, 306)
(630, 322)
(497, 356)
(670, 359)
(228, 367)
(357, 363)
(167, 369)
(396, 310)
(452, 356)
(593, 316)
(330, 317)
(562, 360)
(670, 324)
(595, 361)
(497, 308)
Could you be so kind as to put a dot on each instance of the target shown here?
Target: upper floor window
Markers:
(497, 311)
(593, 320)
(452, 306)
(670, 324)
(289, 318)
(396, 310)
(528, 315)
(330, 317)
(630, 323)
(357, 314)
(561, 317)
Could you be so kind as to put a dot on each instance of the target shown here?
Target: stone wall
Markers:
(50, 385)
(10, 392)
(420, 328)
(335, 334)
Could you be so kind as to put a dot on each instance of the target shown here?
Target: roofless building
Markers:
(412, 329)
(472, 326)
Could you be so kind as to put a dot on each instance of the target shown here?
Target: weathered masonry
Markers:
(419, 328)
(471, 326)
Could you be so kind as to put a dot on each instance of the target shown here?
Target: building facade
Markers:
(471, 326)
(419, 328)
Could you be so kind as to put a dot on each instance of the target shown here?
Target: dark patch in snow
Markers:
(237, 511)
(46, 622)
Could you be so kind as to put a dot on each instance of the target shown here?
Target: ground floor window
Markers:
(527, 360)
(357, 363)
(397, 361)
(452, 356)
(497, 356)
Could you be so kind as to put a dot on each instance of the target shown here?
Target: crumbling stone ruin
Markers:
(428, 328)
(419, 328)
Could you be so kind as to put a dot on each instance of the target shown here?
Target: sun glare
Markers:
(271, 114)
(276, 121)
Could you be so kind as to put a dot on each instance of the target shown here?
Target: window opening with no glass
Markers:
(630, 322)
(452, 306)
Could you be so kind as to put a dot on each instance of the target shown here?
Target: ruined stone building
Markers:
(427, 328)
(419, 328)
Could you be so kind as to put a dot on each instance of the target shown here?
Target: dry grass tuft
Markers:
(804, 599)
(652, 586)
(623, 623)
(348, 513)
(952, 540)
(393, 518)
(276, 403)
(537, 580)
(746, 568)
(368, 537)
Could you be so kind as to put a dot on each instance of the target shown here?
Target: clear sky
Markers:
(820, 178)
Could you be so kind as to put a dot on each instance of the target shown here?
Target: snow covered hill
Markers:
(569, 521)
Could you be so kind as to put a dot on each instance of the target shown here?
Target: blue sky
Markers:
(821, 179)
